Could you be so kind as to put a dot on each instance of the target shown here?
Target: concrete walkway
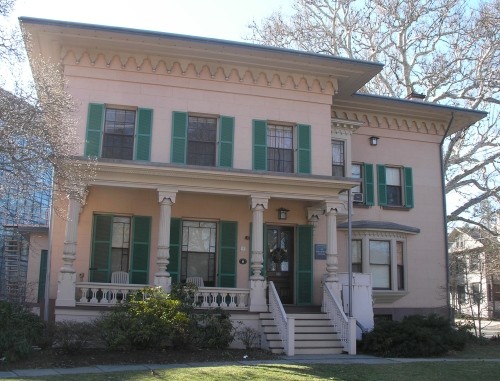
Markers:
(300, 359)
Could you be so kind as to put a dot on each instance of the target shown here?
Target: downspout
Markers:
(445, 215)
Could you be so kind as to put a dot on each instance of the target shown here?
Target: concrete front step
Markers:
(318, 351)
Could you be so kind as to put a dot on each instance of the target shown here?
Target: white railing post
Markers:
(290, 351)
(352, 336)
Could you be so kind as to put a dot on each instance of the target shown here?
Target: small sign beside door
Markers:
(319, 251)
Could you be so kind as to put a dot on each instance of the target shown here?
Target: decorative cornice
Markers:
(196, 68)
(344, 126)
(392, 122)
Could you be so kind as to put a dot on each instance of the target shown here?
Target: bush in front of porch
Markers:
(153, 319)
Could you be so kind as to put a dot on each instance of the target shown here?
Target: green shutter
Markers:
(95, 118)
(175, 249)
(226, 138)
(179, 137)
(368, 184)
(409, 203)
(227, 253)
(101, 248)
(259, 145)
(382, 189)
(304, 273)
(303, 148)
(143, 134)
(139, 262)
(42, 276)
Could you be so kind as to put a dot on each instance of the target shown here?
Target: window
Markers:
(118, 132)
(357, 256)
(118, 139)
(393, 183)
(280, 148)
(380, 264)
(401, 266)
(395, 186)
(120, 243)
(476, 293)
(198, 251)
(338, 158)
(202, 141)
(357, 173)
(461, 294)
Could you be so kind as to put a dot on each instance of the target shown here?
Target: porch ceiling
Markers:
(220, 181)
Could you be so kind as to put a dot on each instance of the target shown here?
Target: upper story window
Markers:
(281, 147)
(117, 132)
(338, 158)
(363, 194)
(202, 140)
(395, 186)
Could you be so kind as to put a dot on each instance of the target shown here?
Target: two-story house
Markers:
(229, 165)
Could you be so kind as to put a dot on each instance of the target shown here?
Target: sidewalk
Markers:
(300, 359)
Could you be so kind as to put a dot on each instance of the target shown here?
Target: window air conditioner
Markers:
(357, 197)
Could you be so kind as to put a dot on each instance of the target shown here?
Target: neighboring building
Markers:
(474, 279)
(228, 164)
(21, 253)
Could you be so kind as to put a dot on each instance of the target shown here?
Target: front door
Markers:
(279, 263)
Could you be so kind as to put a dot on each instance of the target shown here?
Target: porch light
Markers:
(373, 140)
(282, 213)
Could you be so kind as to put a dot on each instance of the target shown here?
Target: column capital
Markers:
(167, 193)
(255, 201)
(333, 207)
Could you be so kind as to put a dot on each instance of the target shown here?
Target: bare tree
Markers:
(37, 131)
(447, 50)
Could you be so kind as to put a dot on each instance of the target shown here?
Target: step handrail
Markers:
(285, 324)
(345, 326)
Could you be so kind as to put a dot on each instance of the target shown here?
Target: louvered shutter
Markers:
(381, 181)
(227, 253)
(259, 145)
(303, 148)
(304, 278)
(175, 249)
(143, 134)
(179, 137)
(139, 262)
(95, 118)
(101, 248)
(226, 138)
(368, 184)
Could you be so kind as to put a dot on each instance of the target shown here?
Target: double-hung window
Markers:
(357, 256)
(380, 264)
(202, 140)
(364, 192)
(338, 158)
(395, 186)
(281, 147)
(117, 132)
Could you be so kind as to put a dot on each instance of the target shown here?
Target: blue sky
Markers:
(225, 19)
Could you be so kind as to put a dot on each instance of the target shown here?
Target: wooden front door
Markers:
(279, 264)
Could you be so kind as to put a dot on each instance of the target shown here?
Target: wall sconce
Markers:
(373, 140)
(282, 213)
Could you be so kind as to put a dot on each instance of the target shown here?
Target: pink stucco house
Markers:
(230, 165)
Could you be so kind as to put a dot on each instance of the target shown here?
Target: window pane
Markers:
(400, 264)
(380, 252)
(357, 266)
(380, 276)
(392, 176)
(394, 195)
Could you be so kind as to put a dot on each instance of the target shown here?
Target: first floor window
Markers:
(357, 261)
(280, 148)
(198, 251)
(201, 141)
(120, 244)
(380, 264)
(401, 265)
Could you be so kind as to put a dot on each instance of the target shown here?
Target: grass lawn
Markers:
(440, 371)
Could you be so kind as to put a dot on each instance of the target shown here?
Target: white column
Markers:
(162, 276)
(332, 267)
(258, 284)
(66, 284)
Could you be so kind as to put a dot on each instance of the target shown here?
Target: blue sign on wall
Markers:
(319, 251)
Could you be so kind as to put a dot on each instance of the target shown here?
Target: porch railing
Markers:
(346, 327)
(285, 324)
(108, 294)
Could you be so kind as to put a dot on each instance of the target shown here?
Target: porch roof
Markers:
(379, 225)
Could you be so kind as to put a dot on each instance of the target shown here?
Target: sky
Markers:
(223, 19)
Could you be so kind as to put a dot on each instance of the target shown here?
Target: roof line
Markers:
(183, 37)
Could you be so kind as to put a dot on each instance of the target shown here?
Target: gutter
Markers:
(445, 215)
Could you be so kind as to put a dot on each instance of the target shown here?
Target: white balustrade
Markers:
(90, 293)
(226, 298)
(99, 294)
(285, 325)
(346, 327)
